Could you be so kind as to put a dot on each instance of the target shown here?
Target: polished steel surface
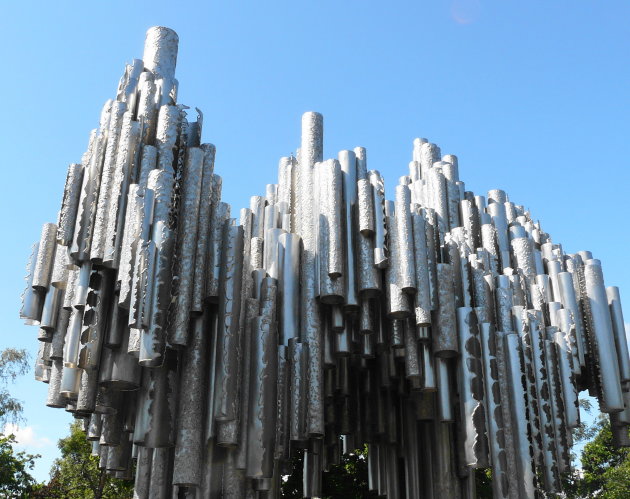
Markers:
(447, 332)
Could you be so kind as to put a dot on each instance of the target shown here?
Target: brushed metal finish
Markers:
(602, 338)
(186, 247)
(447, 332)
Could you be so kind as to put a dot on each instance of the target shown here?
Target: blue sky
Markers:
(531, 96)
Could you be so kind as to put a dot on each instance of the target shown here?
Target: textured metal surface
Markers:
(447, 332)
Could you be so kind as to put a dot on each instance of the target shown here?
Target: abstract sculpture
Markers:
(443, 329)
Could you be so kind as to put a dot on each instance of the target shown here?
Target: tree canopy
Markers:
(76, 475)
(15, 480)
(13, 363)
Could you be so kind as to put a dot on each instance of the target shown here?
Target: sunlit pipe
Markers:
(80, 248)
(330, 235)
(288, 287)
(494, 419)
(436, 184)
(229, 355)
(220, 215)
(406, 271)
(536, 340)
(186, 246)
(69, 205)
(160, 279)
(557, 403)
(208, 199)
(262, 405)
(565, 345)
(602, 337)
(499, 220)
(132, 228)
(621, 344)
(524, 465)
(123, 174)
(348, 163)
(252, 307)
(381, 251)
(444, 334)
(162, 404)
(189, 432)
(108, 177)
(470, 384)
(358, 358)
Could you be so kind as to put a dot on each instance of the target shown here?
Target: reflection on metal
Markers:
(445, 331)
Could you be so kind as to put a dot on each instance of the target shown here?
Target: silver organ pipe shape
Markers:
(443, 329)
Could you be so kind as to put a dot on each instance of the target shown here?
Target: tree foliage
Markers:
(15, 480)
(76, 475)
(605, 469)
(13, 363)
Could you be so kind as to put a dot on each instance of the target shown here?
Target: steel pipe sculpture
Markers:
(445, 330)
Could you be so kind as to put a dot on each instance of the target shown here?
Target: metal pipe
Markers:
(280, 334)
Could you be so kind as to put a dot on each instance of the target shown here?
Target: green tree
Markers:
(13, 363)
(606, 469)
(15, 480)
(76, 475)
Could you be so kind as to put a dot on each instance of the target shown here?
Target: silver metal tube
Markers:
(122, 177)
(560, 429)
(42, 271)
(219, 218)
(537, 345)
(381, 251)
(108, 176)
(133, 221)
(298, 359)
(517, 398)
(186, 246)
(366, 208)
(206, 203)
(69, 204)
(262, 413)
(348, 163)
(330, 234)
(160, 51)
(494, 413)
(280, 334)
(311, 152)
(618, 324)
(397, 300)
(32, 300)
(160, 277)
(406, 271)
(602, 337)
(92, 164)
(470, 383)
(289, 288)
(189, 439)
(271, 252)
(569, 301)
(439, 200)
(444, 334)
(228, 333)
(499, 220)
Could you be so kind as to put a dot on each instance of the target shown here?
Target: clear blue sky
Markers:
(532, 96)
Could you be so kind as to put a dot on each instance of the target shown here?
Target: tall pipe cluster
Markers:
(444, 329)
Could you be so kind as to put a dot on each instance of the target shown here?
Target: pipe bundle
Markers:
(444, 329)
